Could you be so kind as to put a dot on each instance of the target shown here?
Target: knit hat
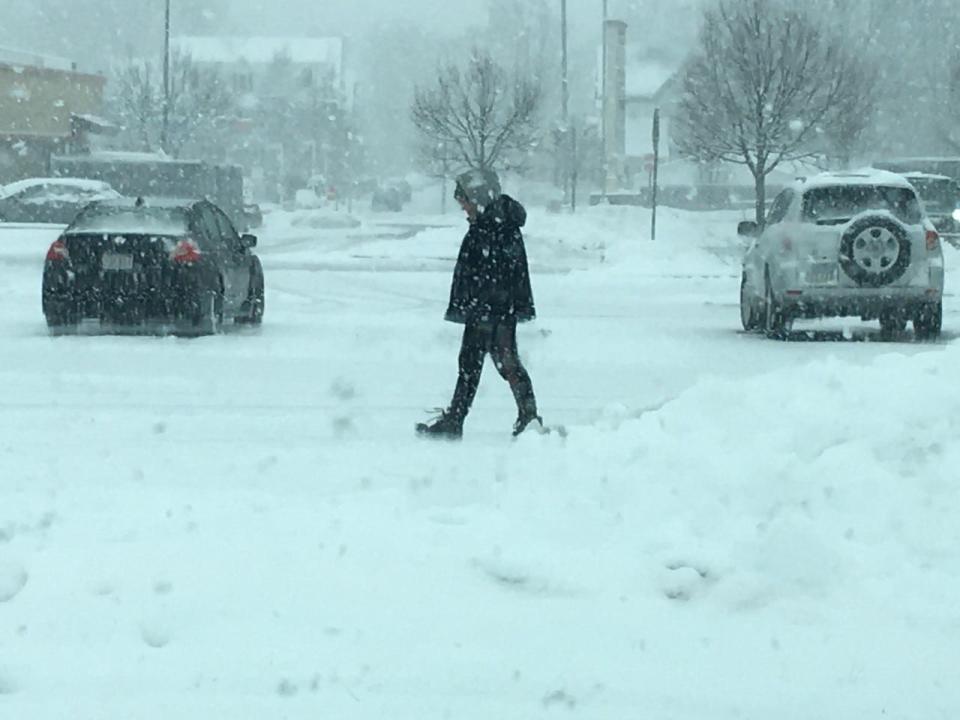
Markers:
(480, 187)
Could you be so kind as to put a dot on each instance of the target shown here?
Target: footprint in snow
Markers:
(156, 633)
(8, 683)
(681, 581)
(13, 578)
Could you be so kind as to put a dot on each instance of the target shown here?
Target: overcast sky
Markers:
(47, 25)
(358, 13)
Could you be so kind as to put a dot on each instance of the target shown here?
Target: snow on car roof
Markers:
(867, 176)
(123, 216)
(149, 202)
(122, 156)
(915, 175)
(95, 186)
(920, 158)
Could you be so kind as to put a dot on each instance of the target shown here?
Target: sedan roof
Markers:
(149, 202)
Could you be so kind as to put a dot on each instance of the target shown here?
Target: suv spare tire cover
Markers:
(875, 251)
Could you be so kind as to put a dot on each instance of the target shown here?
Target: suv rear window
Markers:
(131, 221)
(838, 204)
(939, 196)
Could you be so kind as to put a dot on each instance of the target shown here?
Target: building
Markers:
(291, 96)
(47, 107)
(651, 84)
(246, 61)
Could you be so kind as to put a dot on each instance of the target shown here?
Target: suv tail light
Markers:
(58, 251)
(186, 251)
(933, 240)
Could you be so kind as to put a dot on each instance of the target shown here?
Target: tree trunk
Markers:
(760, 184)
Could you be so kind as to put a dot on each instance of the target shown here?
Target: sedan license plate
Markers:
(822, 274)
(116, 261)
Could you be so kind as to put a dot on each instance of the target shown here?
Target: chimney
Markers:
(614, 102)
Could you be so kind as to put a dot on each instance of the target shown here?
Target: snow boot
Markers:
(523, 420)
(446, 426)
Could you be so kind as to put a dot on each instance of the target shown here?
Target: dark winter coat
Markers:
(491, 281)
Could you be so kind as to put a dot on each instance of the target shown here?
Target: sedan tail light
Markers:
(186, 251)
(933, 240)
(58, 251)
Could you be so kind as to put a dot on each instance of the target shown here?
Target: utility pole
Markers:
(565, 100)
(574, 162)
(656, 168)
(603, 96)
(164, 130)
(563, 40)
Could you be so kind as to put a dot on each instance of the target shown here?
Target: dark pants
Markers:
(500, 340)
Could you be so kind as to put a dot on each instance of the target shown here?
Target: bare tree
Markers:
(948, 127)
(199, 102)
(438, 162)
(136, 101)
(854, 111)
(767, 82)
(481, 114)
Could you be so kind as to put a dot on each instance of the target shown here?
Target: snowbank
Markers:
(243, 526)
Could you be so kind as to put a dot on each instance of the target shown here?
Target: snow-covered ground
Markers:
(245, 526)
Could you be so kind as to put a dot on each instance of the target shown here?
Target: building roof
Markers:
(9, 56)
(262, 50)
(645, 78)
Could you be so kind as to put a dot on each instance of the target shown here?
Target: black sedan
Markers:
(50, 200)
(165, 265)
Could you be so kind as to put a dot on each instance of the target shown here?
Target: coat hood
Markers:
(508, 211)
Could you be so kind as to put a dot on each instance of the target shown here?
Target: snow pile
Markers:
(323, 219)
(245, 526)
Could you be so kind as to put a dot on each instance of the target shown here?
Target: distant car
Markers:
(162, 264)
(842, 244)
(387, 199)
(50, 200)
(253, 215)
(941, 199)
(404, 188)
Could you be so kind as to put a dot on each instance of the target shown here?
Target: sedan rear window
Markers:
(840, 203)
(131, 221)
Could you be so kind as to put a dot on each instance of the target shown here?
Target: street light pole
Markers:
(603, 96)
(166, 79)
(565, 101)
(563, 40)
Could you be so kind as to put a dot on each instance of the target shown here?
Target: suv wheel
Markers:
(776, 323)
(875, 251)
(892, 323)
(928, 321)
(748, 309)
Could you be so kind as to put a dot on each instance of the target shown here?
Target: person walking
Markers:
(489, 295)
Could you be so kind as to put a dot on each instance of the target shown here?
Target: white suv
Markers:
(841, 244)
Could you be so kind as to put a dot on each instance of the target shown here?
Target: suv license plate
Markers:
(116, 261)
(822, 275)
